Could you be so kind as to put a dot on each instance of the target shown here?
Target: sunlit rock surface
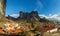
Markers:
(2, 8)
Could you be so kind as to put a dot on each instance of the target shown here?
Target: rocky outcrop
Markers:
(29, 16)
(2, 8)
(33, 16)
(11, 18)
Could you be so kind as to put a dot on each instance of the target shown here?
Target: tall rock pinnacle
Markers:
(2, 8)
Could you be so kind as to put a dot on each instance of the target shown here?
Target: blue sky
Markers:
(44, 7)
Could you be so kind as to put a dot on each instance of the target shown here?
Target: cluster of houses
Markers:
(11, 28)
(51, 29)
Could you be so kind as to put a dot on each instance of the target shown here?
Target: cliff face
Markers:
(2, 8)
(33, 16)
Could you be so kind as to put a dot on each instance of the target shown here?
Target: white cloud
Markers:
(43, 16)
(51, 17)
(14, 15)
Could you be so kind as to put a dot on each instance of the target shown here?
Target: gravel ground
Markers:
(51, 34)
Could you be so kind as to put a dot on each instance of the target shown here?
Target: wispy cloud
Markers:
(39, 5)
(14, 15)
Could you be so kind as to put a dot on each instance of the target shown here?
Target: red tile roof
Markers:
(2, 32)
(49, 27)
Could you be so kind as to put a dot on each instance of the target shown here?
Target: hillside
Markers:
(31, 23)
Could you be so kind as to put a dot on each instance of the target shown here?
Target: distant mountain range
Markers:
(55, 18)
(34, 17)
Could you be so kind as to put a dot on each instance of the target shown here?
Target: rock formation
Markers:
(29, 16)
(26, 16)
(2, 8)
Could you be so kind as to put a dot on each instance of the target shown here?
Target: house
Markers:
(51, 29)
(59, 28)
(2, 32)
(11, 31)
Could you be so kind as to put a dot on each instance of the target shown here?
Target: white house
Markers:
(52, 30)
